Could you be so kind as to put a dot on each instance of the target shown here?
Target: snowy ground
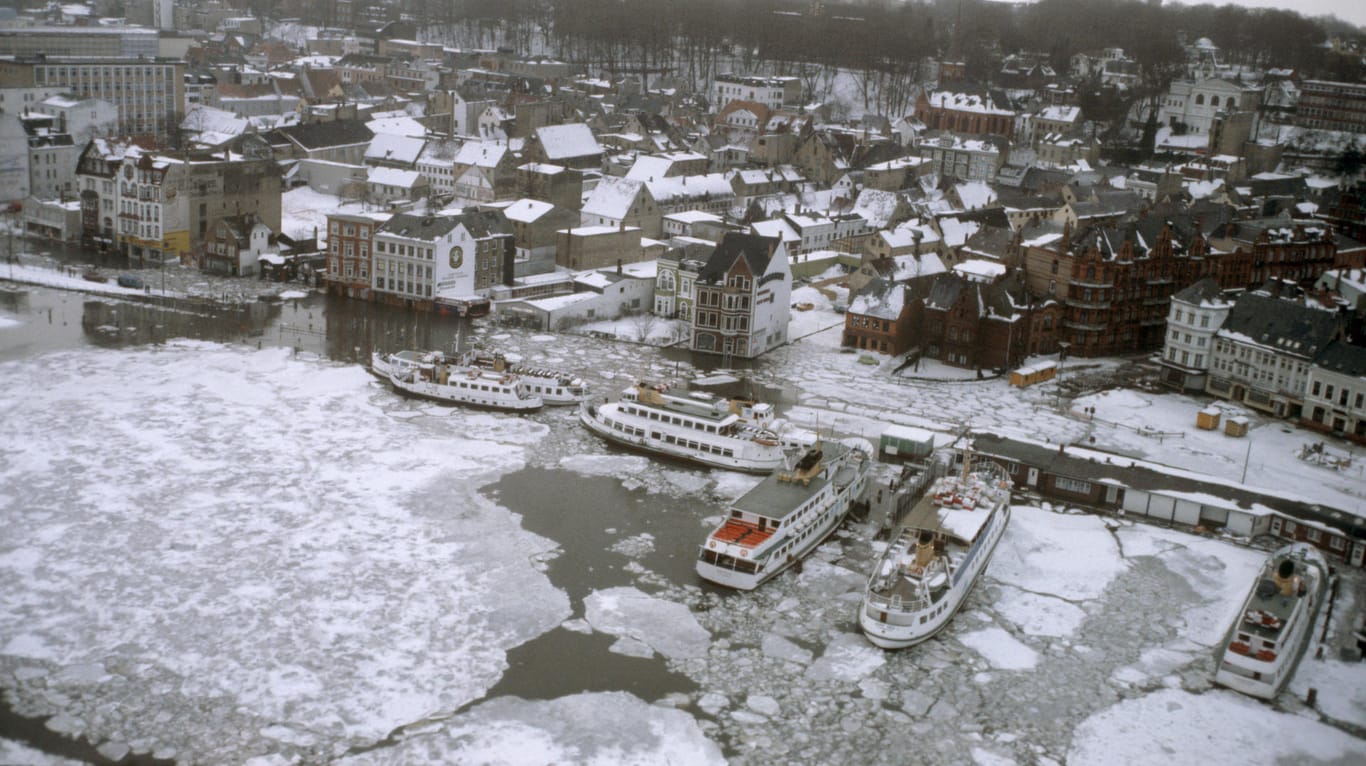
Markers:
(219, 554)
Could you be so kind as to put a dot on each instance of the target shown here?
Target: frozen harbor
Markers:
(219, 554)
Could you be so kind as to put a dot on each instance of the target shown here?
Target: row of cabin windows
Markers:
(671, 419)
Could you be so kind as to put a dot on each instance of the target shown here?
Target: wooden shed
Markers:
(1235, 426)
(1207, 419)
(1030, 374)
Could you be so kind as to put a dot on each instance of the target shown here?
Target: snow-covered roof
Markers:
(956, 233)
(527, 210)
(596, 231)
(978, 270)
(390, 147)
(693, 216)
(965, 102)
(481, 154)
(399, 125)
(612, 198)
(397, 177)
(1060, 113)
(673, 188)
(562, 142)
(975, 195)
(913, 266)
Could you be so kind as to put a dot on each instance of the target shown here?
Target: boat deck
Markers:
(1268, 611)
(742, 533)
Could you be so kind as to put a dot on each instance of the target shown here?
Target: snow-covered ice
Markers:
(1174, 726)
(1000, 649)
(665, 626)
(283, 566)
(603, 729)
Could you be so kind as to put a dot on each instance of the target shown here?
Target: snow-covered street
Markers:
(219, 554)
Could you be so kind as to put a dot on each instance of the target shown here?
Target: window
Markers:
(1072, 485)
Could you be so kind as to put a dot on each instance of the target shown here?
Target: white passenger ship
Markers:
(456, 380)
(696, 426)
(1275, 625)
(779, 522)
(553, 386)
(942, 547)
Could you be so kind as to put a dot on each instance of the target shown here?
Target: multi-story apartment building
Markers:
(1115, 283)
(420, 259)
(742, 297)
(349, 239)
(772, 92)
(676, 280)
(964, 159)
(148, 92)
(1328, 105)
(1263, 353)
(153, 213)
(1197, 313)
(52, 156)
(96, 176)
(93, 42)
(1280, 248)
(1336, 399)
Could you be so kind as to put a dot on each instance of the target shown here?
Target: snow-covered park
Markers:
(219, 554)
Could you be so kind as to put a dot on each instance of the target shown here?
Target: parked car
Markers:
(130, 280)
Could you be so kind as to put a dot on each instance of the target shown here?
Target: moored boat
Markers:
(1274, 626)
(696, 426)
(456, 380)
(936, 556)
(553, 386)
(785, 517)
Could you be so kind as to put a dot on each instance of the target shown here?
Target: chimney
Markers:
(618, 265)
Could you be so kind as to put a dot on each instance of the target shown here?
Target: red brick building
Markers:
(964, 113)
(349, 252)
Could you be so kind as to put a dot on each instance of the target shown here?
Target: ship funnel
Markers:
(924, 550)
(1285, 578)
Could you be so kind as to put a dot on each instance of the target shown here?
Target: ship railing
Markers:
(895, 603)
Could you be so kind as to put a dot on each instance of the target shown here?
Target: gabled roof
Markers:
(612, 198)
(1206, 291)
(1280, 325)
(561, 142)
(386, 147)
(1343, 358)
(946, 291)
(756, 250)
(879, 298)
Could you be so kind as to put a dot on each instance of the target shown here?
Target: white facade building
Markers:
(1196, 314)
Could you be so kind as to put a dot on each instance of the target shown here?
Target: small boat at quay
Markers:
(1269, 636)
(784, 518)
(696, 426)
(937, 555)
(455, 380)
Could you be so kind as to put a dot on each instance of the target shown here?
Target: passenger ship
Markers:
(434, 375)
(553, 386)
(779, 522)
(1275, 625)
(696, 426)
(942, 547)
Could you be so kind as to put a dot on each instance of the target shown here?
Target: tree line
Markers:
(885, 39)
